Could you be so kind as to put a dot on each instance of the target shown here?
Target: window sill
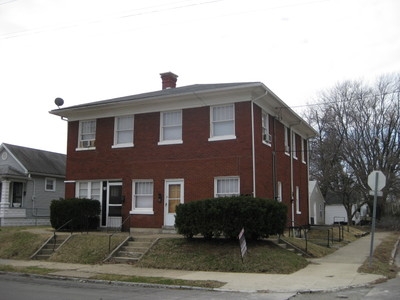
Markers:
(222, 138)
(172, 142)
(130, 145)
(267, 143)
(85, 149)
(141, 212)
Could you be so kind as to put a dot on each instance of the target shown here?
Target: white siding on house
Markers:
(335, 213)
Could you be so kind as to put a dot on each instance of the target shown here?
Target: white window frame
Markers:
(266, 136)
(86, 144)
(294, 150)
(213, 136)
(142, 211)
(279, 191)
(92, 191)
(163, 139)
(46, 181)
(287, 140)
(297, 195)
(228, 194)
(130, 131)
(303, 154)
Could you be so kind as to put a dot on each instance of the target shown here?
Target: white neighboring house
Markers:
(29, 180)
(336, 213)
(317, 204)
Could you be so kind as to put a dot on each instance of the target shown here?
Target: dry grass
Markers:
(381, 260)
(221, 255)
(87, 248)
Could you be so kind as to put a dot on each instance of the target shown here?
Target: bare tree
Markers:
(359, 131)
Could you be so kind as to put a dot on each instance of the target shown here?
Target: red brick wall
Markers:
(197, 160)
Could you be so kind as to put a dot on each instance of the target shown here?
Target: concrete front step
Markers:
(49, 247)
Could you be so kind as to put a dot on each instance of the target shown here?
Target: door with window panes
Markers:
(173, 197)
(114, 204)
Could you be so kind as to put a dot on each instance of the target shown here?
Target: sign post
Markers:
(376, 181)
(242, 242)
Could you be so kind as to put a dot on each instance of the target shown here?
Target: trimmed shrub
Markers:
(228, 215)
(84, 213)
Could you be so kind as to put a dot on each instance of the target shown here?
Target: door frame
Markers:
(169, 219)
(113, 221)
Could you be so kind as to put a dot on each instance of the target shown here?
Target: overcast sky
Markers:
(89, 50)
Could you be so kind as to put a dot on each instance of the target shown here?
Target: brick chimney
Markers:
(168, 80)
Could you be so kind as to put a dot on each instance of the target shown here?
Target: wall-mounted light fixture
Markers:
(159, 198)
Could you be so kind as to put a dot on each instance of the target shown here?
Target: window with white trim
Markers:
(123, 131)
(222, 122)
(142, 200)
(287, 140)
(49, 184)
(294, 150)
(226, 186)
(171, 127)
(297, 195)
(88, 190)
(266, 136)
(303, 150)
(87, 134)
(279, 191)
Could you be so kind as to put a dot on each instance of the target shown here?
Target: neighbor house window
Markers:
(171, 127)
(17, 194)
(266, 136)
(294, 145)
(123, 131)
(50, 184)
(88, 190)
(226, 186)
(142, 202)
(222, 122)
(87, 134)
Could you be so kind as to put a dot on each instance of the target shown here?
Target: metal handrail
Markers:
(58, 229)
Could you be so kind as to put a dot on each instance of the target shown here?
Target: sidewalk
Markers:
(333, 272)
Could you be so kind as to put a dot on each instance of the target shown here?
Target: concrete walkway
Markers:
(332, 272)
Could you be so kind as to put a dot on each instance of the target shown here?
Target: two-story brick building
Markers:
(142, 155)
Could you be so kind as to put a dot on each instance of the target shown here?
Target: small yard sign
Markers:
(242, 242)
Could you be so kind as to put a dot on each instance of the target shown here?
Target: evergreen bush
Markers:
(83, 213)
(228, 215)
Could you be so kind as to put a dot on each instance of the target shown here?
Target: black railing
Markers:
(300, 230)
(58, 229)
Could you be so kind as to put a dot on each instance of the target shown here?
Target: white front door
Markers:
(173, 197)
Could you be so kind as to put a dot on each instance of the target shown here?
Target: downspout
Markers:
(291, 175)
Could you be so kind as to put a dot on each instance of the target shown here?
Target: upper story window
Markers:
(222, 122)
(171, 127)
(87, 134)
(50, 184)
(266, 136)
(123, 131)
(287, 140)
(226, 186)
(303, 150)
(294, 146)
